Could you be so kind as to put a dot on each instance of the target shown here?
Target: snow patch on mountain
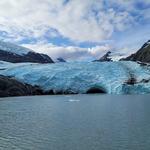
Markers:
(15, 49)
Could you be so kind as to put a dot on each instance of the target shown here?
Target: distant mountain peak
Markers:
(146, 44)
(61, 59)
(105, 57)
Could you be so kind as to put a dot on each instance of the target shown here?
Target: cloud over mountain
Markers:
(92, 21)
(69, 52)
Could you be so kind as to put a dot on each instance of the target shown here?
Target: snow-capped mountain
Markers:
(13, 53)
(142, 55)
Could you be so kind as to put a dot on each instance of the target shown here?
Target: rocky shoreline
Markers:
(11, 87)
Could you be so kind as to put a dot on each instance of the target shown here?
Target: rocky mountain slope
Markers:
(105, 57)
(12, 53)
(142, 55)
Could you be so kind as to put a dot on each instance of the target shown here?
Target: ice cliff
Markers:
(122, 77)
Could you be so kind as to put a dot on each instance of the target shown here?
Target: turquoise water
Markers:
(77, 122)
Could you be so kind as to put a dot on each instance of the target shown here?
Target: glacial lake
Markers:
(75, 122)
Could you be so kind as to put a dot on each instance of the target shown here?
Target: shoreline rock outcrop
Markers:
(11, 87)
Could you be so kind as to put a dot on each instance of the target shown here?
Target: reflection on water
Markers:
(77, 122)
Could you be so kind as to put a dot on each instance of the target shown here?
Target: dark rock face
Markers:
(105, 57)
(142, 55)
(29, 57)
(131, 81)
(12, 87)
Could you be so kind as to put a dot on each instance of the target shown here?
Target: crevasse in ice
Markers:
(79, 77)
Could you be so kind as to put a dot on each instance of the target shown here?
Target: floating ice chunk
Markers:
(73, 100)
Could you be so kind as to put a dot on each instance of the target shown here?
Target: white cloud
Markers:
(75, 20)
(79, 21)
(69, 52)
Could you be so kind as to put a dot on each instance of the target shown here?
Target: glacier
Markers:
(79, 77)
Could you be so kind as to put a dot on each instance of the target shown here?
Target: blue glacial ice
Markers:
(79, 77)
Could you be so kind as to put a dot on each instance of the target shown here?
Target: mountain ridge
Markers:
(142, 55)
(13, 53)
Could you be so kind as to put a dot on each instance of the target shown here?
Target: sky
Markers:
(76, 29)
